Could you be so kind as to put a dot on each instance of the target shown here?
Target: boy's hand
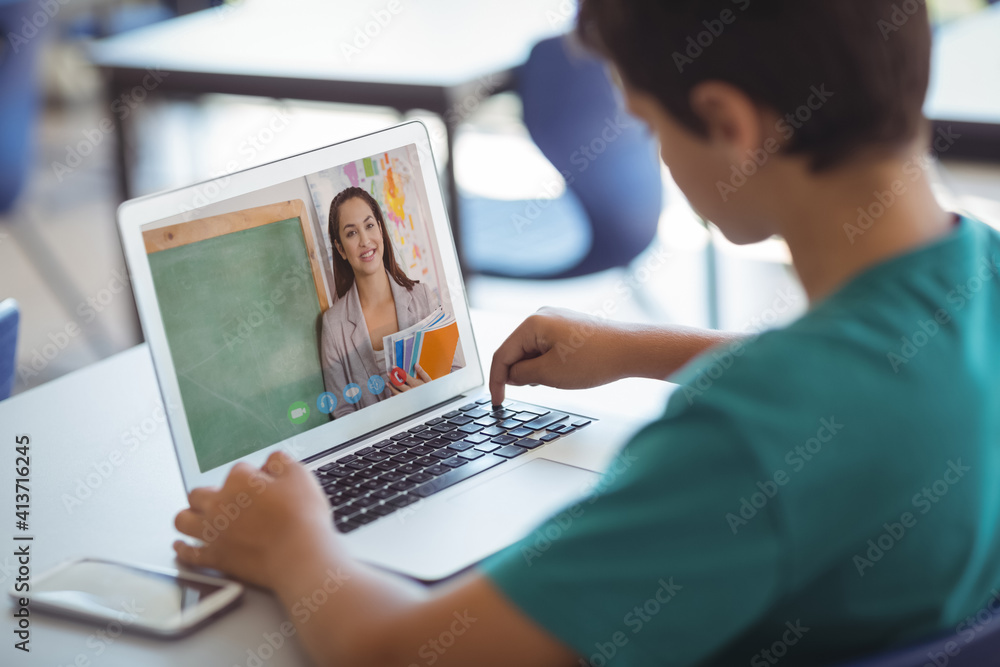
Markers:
(260, 525)
(569, 350)
(559, 348)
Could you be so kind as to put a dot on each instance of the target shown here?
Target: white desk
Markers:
(77, 422)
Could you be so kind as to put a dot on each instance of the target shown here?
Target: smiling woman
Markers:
(375, 299)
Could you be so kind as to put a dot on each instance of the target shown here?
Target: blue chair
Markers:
(9, 319)
(19, 96)
(20, 90)
(611, 209)
(982, 649)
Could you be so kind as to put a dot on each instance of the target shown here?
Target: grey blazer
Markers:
(346, 349)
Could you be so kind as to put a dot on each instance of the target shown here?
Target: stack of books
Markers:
(430, 343)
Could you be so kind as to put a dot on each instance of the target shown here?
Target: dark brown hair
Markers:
(871, 55)
(343, 274)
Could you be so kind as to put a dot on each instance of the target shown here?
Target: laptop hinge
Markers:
(383, 429)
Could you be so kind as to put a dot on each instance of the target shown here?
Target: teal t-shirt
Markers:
(821, 492)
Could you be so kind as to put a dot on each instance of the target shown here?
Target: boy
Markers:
(817, 493)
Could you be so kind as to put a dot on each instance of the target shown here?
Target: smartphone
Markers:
(148, 600)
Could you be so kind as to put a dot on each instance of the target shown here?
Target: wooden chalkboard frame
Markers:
(184, 233)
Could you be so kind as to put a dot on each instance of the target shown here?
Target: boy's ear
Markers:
(733, 121)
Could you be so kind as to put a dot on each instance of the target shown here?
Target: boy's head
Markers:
(743, 93)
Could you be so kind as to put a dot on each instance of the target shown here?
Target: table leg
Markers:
(712, 280)
(454, 211)
(123, 147)
(123, 163)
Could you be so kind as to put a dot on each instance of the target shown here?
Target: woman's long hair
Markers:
(343, 273)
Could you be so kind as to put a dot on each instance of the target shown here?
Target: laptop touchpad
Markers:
(528, 493)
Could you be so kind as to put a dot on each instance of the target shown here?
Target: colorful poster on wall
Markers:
(393, 178)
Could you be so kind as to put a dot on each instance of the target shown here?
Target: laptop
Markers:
(254, 323)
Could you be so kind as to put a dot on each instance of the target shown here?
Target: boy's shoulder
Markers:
(804, 363)
(899, 324)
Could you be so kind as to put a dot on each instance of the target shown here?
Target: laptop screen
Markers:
(302, 303)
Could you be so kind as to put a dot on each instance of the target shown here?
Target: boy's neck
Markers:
(838, 225)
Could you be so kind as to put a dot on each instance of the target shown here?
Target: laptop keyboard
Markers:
(376, 481)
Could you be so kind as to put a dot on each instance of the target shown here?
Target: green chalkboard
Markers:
(241, 316)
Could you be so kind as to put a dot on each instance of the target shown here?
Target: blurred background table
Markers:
(372, 52)
(964, 94)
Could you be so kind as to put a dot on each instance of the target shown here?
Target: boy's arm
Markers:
(377, 618)
(569, 350)
(279, 535)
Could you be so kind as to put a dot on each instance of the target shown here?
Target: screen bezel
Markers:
(186, 620)
(134, 214)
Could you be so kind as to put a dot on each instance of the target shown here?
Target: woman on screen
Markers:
(375, 299)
